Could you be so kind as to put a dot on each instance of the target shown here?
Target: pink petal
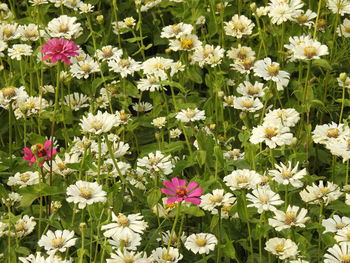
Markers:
(171, 200)
(167, 191)
(195, 201)
(169, 185)
(192, 185)
(197, 192)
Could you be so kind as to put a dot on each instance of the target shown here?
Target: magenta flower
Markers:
(59, 49)
(39, 151)
(178, 191)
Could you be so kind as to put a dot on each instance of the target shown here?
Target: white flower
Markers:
(340, 7)
(85, 8)
(190, 115)
(304, 18)
(83, 69)
(208, 54)
(281, 11)
(125, 256)
(241, 53)
(286, 117)
(175, 133)
(293, 217)
(85, 193)
(64, 27)
(186, 42)
(239, 26)
(157, 67)
(242, 179)
(234, 154)
(335, 223)
(229, 101)
(17, 51)
(176, 30)
(247, 103)
(150, 83)
(343, 235)
(99, 123)
(108, 53)
(314, 194)
(142, 106)
(339, 253)
(38, 258)
(281, 247)
(123, 226)
(164, 255)
(129, 242)
(269, 70)
(294, 43)
(288, 175)
(327, 133)
(310, 50)
(155, 163)
(24, 179)
(159, 122)
(271, 134)
(76, 101)
(217, 199)
(23, 226)
(124, 66)
(344, 28)
(201, 243)
(248, 89)
(264, 199)
(57, 241)
(122, 117)
(29, 32)
(9, 31)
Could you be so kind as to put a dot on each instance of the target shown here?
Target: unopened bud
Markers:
(253, 7)
(100, 19)
(342, 76)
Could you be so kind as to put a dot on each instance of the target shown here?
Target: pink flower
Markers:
(180, 192)
(39, 151)
(59, 49)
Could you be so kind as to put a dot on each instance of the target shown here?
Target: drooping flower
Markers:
(59, 49)
(180, 191)
(39, 150)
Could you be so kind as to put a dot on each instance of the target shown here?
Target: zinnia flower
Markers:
(39, 151)
(179, 192)
(59, 49)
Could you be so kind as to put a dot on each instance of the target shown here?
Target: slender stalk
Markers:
(342, 104)
(99, 161)
(347, 173)
(248, 224)
(178, 207)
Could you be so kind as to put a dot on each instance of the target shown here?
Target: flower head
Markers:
(59, 49)
(39, 150)
(179, 191)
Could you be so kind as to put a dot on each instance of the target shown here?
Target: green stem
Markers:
(248, 224)
(178, 207)
(342, 104)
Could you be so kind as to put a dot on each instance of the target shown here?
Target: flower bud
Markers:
(342, 76)
(100, 19)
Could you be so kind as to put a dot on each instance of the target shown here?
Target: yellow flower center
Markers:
(24, 177)
(239, 26)
(124, 63)
(290, 217)
(286, 173)
(247, 63)
(247, 103)
(187, 43)
(20, 226)
(345, 258)
(57, 242)
(242, 179)
(310, 51)
(129, 21)
(273, 69)
(86, 67)
(302, 19)
(96, 124)
(333, 133)
(270, 132)
(107, 52)
(9, 92)
(190, 113)
(229, 100)
(347, 29)
(85, 192)
(63, 28)
(200, 241)
(8, 32)
(123, 220)
(279, 248)
(167, 257)
(216, 199)
(252, 90)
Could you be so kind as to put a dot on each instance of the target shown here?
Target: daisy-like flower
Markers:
(343, 29)
(340, 147)
(271, 134)
(242, 179)
(244, 66)
(176, 30)
(186, 42)
(85, 8)
(122, 117)
(281, 247)
(57, 241)
(335, 223)
(286, 117)
(157, 67)
(29, 32)
(128, 242)
(264, 199)
(3, 46)
(179, 191)
(281, 11)
(248, 89)
(269, 70)
(294, 43)
(241, 53)
(288, 175)
(108, 53)
(208, 55)
(24, 179)
(326, 133)
(38, 258)
(247, 103)
(125, 256)
(23, 226)
(64, 27)
(190, 115)
(155, 163)
(201, 243)
(85, 193)
(39, 151)
(339, 253)
(159, 122)
(124, 66)
(59, 166)
(173, 240)
(123, 226)
(83, 69)
(305, 18)
(150, 83)
(164, 255)
(76, 101)
(315, 194)
(17, 51)
(99, 123)
(229, 101)
(59, 49)
(239, 26)
(293, 217)
(310, 50)
(343, 235)
(234, 154)
(142, 106)
(8, 31)
(340, 7)
(218, 199)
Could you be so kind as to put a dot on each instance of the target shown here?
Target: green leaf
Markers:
(193, 211)
(153, 197)
(321, 63)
